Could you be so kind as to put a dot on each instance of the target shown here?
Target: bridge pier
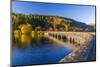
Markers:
(74, 39)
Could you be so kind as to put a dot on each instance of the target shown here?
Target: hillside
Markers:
(49, 23)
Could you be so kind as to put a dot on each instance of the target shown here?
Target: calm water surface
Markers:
(26, 50)
(44, 54)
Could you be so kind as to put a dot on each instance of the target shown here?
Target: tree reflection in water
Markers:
(21, 40)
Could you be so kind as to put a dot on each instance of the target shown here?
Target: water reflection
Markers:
(34, 48)
(26, 40)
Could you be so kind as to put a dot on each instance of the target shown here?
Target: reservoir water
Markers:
(46, 53)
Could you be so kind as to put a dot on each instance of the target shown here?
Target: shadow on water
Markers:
(92, 54)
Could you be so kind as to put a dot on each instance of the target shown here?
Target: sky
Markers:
(85, 14)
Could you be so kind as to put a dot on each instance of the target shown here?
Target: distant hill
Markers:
(81, 25)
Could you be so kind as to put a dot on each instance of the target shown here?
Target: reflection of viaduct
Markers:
(73, 40)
